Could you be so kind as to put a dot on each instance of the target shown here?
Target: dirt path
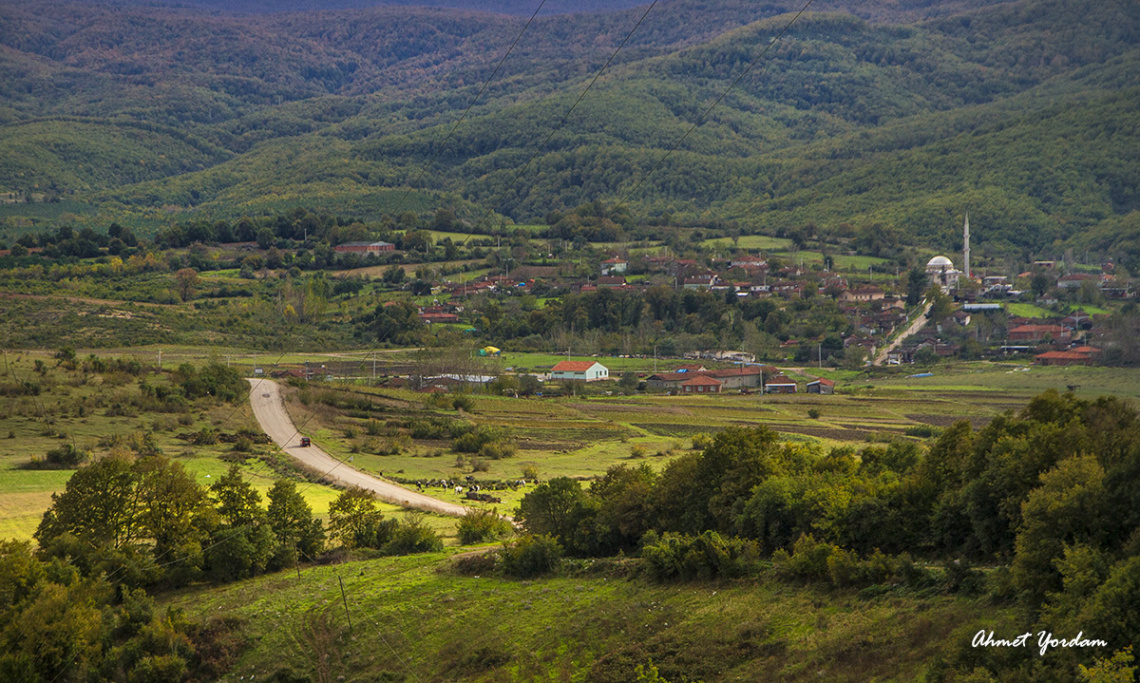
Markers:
(917, 325)
(268, 407)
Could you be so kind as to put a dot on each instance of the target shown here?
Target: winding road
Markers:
(269, 408)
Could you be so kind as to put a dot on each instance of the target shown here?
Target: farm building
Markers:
(1038, 332)
(701, 384)
(780, 384)
(580, 370)
(364, 247)
(1081, 355)
(821, 386)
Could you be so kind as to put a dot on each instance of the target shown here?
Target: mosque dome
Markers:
(938, 263)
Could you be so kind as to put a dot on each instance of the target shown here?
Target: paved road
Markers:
(915, 326)
(268, 407)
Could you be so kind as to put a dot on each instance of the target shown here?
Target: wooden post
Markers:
(345, 599)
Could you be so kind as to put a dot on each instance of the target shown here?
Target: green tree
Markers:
(549, 508)
(291, 520)
(1066, 508)
(355, 521)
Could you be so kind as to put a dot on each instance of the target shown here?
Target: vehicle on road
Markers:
(305, 442)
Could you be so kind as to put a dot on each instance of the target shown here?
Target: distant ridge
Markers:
(509, 7)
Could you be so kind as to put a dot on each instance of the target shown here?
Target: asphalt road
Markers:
(915, 326)
(268, 407)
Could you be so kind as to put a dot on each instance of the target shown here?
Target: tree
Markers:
(916, 282)
(291, 520)
(355, 521)
(237, 501)
(129, 515)
(1066, 508)
(185, 281)
(549, 508)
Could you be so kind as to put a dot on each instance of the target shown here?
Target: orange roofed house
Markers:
(580, 370)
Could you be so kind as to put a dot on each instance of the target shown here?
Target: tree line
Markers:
(1045, 501)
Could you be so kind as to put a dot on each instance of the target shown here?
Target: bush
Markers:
(413, 535)
(473, 441)
(66, 457)
(708, 556)
(497, 450)
(808, 560)
(479, 526)
(814, 413)
(531, 556)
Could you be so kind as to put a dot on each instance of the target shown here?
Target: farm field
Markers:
(577, 436)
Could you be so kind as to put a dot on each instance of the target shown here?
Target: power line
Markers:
(565, 118)
(716, 103)
(451, 133)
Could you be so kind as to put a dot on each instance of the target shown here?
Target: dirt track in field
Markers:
(269, 408)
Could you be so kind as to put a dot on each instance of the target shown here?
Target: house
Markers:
(736, 378)
(612, 281)
(700, 282)
(780, 384)
(701, 384)
(868, 293)
(1038, 332)
(614, 266)
(821, 386)
(364, 247)
(1079, 355)
(580, 370)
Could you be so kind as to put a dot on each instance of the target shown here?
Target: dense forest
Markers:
(1019, 111)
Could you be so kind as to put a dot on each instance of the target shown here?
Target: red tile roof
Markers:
(702, 381)
(574, 366)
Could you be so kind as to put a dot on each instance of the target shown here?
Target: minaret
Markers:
(966, 245)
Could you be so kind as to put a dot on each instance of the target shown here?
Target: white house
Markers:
(614, 266)
(581, 370)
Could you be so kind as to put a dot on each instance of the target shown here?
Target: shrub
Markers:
(807, 561)
(473, 441)
(531, 556)
(66, 457)
(923, 431)
(413, 535)
(497, 450)
(479, 526)
(708, 556)
(814, 413)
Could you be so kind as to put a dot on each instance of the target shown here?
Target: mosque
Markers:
(941, 270)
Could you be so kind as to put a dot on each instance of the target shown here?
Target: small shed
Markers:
(821, 386)
(780, 384)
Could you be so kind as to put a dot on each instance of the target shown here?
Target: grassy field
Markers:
(579, 436)
(753, 242)
(414, 619)
(77, 407)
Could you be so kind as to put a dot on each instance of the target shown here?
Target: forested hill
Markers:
(1020, 112)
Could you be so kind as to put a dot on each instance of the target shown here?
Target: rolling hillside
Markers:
(1019, 112)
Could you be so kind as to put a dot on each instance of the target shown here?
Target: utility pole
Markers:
(160, 360)
(373, 366)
